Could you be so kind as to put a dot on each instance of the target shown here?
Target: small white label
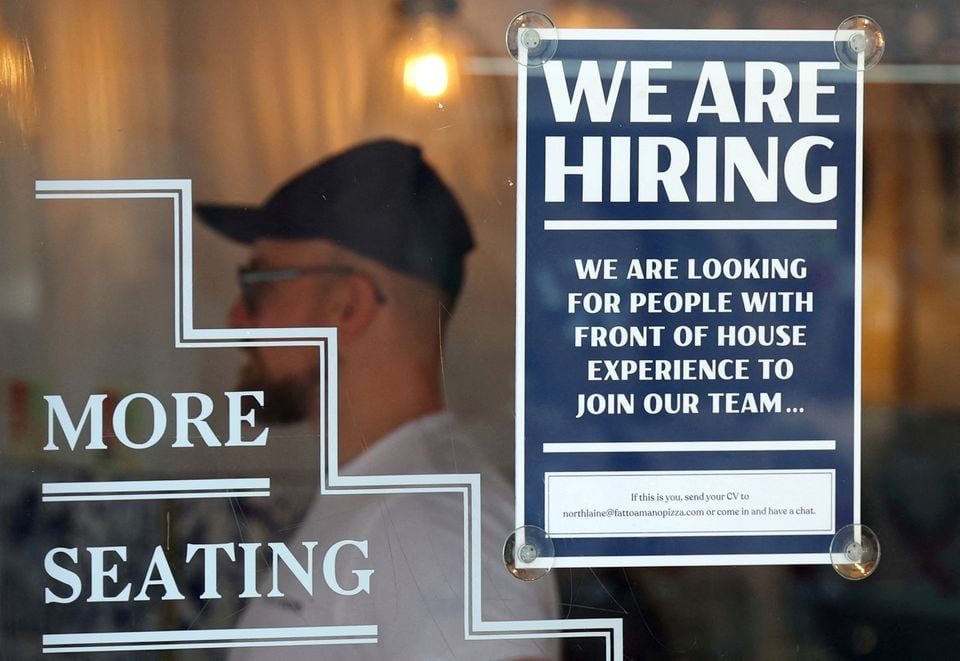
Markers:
(690, 503)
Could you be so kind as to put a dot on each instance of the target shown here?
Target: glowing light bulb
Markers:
(427, 74)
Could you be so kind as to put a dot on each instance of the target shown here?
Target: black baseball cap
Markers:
(379, 199)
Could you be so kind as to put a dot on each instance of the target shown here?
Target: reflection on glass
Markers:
(16, 81)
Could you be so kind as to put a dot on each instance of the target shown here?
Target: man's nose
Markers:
(240, 316)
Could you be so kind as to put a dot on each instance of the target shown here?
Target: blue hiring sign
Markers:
(688, 297)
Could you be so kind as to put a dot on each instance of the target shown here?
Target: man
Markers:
(372, 242)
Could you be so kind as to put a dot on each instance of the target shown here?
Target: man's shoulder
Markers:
(436, 443)
(436, 446)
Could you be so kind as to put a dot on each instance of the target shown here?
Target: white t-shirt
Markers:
(415, 547)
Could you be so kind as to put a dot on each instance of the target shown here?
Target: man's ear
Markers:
(356, 305)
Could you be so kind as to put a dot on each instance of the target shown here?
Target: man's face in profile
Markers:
(288, 376)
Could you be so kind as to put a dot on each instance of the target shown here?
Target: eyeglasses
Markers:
(251, 280)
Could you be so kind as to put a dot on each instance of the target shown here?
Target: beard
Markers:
(285, 401)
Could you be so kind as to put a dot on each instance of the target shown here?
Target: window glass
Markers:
(258, 277)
